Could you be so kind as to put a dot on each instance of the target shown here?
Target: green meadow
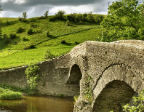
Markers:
(27, 42)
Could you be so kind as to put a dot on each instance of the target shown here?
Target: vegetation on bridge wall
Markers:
(32, 75)
(137, 104)
(87, 92)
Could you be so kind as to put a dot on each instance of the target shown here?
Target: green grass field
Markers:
(15, 53)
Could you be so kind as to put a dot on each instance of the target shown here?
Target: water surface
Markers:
(37, 104)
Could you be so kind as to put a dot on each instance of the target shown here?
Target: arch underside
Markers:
(115, 88)
(75, 75)
(113, 97)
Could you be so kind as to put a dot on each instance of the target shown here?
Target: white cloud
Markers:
(19, 1)
(72, 9)
(14, 1)
(9, 14)
(5, 1)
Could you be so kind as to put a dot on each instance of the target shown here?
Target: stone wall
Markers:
(107, 62)
(95, 69)
(53, 73)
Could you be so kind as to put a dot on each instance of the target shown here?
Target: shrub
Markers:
(137, 104)
(59, 16)
(48, 33)
(49, 55)
(29, 47)
(141, 33)
(30, 32)
(68, 23)
(20, 30)
(13, 36)
(65, 43)
(72, 17)
(90, 18)
(32, 19)
(6, 94)
(22, 19)
(34, 25)
(7, 40)
(99, 19)
(32, 75)
(5, 36)
(25, 39)
(75, 99)
(76, 43)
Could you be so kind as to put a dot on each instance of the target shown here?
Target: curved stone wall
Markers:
(92, 66)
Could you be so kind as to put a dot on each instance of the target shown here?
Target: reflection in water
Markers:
(37, 104)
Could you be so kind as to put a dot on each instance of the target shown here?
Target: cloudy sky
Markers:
(14, 8)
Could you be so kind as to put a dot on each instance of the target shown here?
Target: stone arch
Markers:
(75, 75)
(118, 79)
(113, 97)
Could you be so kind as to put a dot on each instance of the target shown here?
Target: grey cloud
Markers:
(61, 2)
(29, 3)
(36, 7)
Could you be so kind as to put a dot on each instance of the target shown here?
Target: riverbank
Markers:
(7, 94)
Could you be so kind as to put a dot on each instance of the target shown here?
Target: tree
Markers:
(60, 15)
(24, 15)
(124, 20)
(46, 14)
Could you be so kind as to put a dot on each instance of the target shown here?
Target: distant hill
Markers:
(26, 42)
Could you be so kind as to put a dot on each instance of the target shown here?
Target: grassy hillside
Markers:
(23, 48)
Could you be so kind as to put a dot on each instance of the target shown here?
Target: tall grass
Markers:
(6, 94)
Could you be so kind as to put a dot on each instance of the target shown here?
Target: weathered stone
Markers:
(116, 67)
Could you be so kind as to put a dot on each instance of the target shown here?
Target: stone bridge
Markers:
(103, 75)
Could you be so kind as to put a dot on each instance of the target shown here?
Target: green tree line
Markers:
(125, 20)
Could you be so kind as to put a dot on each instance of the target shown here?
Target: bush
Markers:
(141, 33)
(29, 47)
(6, 94)
(65, 43)
(7, 40)
(71, 17)
(25, 39)
(49, 55)
(85, 18)
(137, 104)
(32, 75)
(34, 25)
(90, 18)
(5, 36)
(48, 33)
(20, 30)
(22, 20)
(13, 36)
(76, 43)
(30, 32)
(68, 23)
(99, 19)
(59, 16)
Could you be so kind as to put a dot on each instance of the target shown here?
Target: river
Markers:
(37, 104)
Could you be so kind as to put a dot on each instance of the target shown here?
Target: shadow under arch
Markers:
(113, 97)
(75, 75)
